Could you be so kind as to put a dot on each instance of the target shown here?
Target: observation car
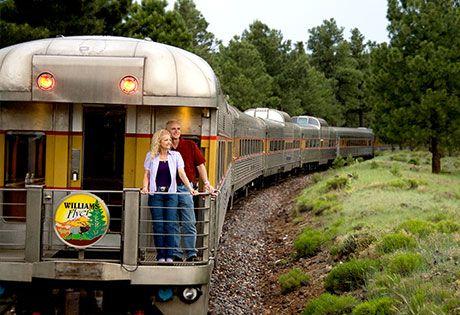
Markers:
(76, 119)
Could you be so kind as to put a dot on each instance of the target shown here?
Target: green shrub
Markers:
(350, 160)
(438, 217)
(328, 304)
(404, 263)
(338, 162)
(420, 228)
(337, 182)
(414, 161)
(319, 205)
(399, 157)
(331, 196)
(447, 226)
(398, 183)
(392, 242)
(309, 242)
(452, 306)
(297, 220)
(304, 207)
(405, 183)
(412, 183)
(317, 177)
(354, 243)
(380, 306)
(359, 159)
(374, 165)
(395, 170)
(349, 275)
(293, 280)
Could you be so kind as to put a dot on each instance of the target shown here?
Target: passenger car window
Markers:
(25, 159)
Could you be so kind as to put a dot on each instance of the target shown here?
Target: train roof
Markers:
(310, 121)
(350, 132)
(269, 114)
(170, 76)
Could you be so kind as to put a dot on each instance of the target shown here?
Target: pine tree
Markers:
(96, 221)
(417, 76)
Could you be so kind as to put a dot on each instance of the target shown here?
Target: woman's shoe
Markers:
(161, 260)
(169, 260)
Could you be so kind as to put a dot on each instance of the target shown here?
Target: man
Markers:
(194, 161)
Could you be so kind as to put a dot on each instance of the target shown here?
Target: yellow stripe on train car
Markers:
(57, 157)
(211, 158)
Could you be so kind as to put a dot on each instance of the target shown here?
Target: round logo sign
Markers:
(81, 219)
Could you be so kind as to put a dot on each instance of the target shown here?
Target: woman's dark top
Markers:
(163, 178)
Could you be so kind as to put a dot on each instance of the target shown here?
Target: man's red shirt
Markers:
(192, 158)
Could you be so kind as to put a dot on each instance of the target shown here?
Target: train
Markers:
(76, 119)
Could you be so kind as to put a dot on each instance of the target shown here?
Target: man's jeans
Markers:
(165, 227)
(187, 221)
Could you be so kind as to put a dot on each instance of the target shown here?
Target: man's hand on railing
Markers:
(144, 190)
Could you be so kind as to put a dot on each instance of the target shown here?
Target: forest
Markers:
(406, 90)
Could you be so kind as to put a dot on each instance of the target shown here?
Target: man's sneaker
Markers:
(192, 259)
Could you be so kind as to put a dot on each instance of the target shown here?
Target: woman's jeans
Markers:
(186, 215)
(165, 228)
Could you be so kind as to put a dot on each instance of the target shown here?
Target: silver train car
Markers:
(76, 118)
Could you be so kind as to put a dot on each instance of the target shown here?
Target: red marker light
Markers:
(46, 81)
(128, 85)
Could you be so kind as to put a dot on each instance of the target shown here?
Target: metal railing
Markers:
(148, 250)
(12, 223)
(30, 236)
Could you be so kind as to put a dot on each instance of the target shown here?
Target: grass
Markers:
(411, 217)
(292, 280)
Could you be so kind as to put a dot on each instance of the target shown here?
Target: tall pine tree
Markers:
(417, 76)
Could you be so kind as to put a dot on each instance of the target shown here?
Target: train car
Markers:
(339, 141)
(355, 142)
(325, 143)
(283, 140)
(310, 147)
(76, 118)
(249, 140)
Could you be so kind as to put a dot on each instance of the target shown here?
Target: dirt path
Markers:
(256, 248)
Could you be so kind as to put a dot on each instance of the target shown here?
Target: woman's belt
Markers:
(162, 188)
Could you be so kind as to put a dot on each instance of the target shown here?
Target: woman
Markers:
(161, 168)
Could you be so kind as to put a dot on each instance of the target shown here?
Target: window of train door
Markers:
(103, 148)
(24, 165)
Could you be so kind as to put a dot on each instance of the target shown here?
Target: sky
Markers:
(294, 18)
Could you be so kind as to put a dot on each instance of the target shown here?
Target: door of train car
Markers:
(103, 133)
(103, 156)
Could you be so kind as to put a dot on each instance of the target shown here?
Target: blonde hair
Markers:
(156, 139)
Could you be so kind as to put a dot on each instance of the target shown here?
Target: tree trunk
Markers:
(435, 157)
